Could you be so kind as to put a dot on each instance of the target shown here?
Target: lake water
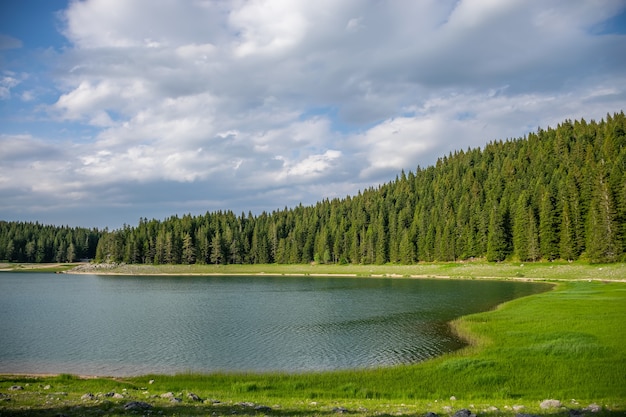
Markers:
(129, 325)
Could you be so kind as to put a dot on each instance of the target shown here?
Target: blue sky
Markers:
(112, 110)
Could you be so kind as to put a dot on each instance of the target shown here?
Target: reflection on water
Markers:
(134, 325)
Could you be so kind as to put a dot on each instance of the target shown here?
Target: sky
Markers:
(116, 110)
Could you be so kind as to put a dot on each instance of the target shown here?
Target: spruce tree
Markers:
(548, 230)
(602, 237)
(497, 245)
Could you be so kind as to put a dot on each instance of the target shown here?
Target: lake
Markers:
(131, 325)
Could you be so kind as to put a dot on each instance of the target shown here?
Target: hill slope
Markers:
(557, 193)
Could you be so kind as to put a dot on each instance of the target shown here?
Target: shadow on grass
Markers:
(117, 409)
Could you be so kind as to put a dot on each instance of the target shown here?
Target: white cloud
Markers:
(268, 26)
(313, 165)
(8, 81)
(396, 143)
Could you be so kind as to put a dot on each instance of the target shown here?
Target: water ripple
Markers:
(133, 325)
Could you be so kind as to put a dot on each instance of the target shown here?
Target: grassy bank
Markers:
(36, 267)
(567, 344)
(474, 269)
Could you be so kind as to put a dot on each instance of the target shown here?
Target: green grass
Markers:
(474, 269)
(567, 344)
(36, 267)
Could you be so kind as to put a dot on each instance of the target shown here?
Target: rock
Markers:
(340, 410)
(263, 408)
(575, 413)
(169, 395)
(151, 382)
(193, 397)
(16, 388)
(447, 408)
(246, 404)
(176, 400)
(137, 405)
(47, 387)
(491, 409)
(211, 401)
(594, 408)
(453, 398)
(431, 414)
(546, 404)
(88, 396)
(518, 407)
(464, 413)
(118, 396)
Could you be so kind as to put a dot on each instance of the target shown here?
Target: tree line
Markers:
(34, 242)
(558, 193)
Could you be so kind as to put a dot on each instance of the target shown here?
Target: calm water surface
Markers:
(87, 324)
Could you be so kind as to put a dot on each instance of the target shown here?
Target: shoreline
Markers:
(541, 271)
(338, 275)
(476, 269)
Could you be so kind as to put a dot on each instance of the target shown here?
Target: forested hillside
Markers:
(34, 242)
(557, 193)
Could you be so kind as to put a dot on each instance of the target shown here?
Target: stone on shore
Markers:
(340, 410)
(136, 406)
(547, 404)
(263, 408)
(193, 397)
(593, 408)
(464, 413)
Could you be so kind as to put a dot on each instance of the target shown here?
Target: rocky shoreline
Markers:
(154, 403)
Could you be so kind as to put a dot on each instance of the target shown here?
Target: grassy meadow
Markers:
(568, 344)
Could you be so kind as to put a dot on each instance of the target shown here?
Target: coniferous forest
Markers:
(559, 193)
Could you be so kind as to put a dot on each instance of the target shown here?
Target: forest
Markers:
(558, 193)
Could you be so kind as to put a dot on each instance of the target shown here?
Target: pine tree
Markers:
(189, 251)
(407, 249)
(602, 242)
(548, 230)
(497, 244)
(216, 249)
(521, 225)
(567, 241)
(71, 253)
